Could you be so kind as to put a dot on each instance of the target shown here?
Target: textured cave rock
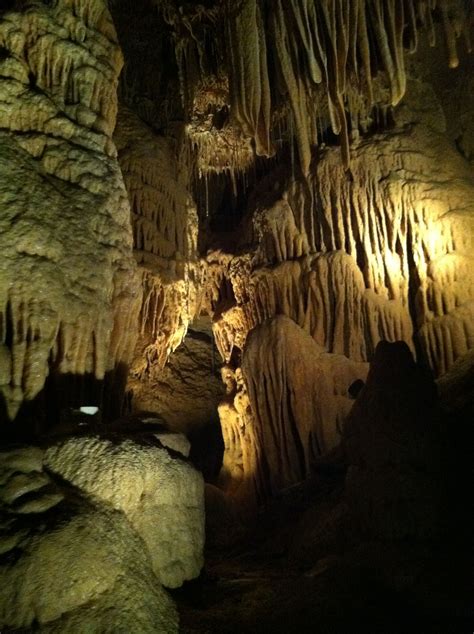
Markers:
(186, 391)
(373, 255)
(69, 562)
(68, 290)
(161, 495)
(286, 412)
(164, 225)
(396, 480)
(295, 70)
(227, 113)
(384, 253)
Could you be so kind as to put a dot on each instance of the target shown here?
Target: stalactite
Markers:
(321, 55)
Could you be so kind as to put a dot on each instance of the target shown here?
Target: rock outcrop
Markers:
(186, 391)
(84, 555)
(286, 413)
(161, 495)
(68, 292)
(392, 439)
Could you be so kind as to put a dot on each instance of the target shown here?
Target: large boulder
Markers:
(159, 492)
(69, 564)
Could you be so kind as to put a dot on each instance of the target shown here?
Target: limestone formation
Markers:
(303, 66)
(364, 258)
(68, 292)
(70, 563)
(290, 413)
(299, 160)
(162, 497)
(164, 224)
(186, 391)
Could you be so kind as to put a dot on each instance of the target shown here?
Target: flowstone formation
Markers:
(322, 163)
(382, 252)
(289, 394)
(68, 290)
(90, 527)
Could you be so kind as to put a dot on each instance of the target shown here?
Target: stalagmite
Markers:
(290, 412)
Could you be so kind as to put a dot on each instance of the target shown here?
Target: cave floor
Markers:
(247, 595)
(269, 585)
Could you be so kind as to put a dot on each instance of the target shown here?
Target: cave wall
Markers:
(69, 297)
(381, 252)
(317, 169)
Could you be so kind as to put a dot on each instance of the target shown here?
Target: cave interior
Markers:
(236, 316)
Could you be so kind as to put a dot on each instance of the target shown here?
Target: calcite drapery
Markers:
(382, 254)
(68, 294)
(165, 225)
(297, 402)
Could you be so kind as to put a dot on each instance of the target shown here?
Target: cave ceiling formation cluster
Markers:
(290, 172)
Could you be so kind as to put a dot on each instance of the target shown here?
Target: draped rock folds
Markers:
(67, 293)
(164, 223)
(382, 254)
(314, 64)
(298, 398)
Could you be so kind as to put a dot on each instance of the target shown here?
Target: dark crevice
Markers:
(8, 326)
(414, 284)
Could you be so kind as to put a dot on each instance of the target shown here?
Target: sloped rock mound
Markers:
(69, 564)
(89, 527)
(392, 441)
(287, 410)
(161, 495)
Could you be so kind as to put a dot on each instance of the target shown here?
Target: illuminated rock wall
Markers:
(357, 246)
(165, 227)
(285, 408)
(382, 252)
(68, 291)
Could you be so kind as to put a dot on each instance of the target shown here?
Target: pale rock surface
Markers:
(68, 297)
(164, 223)
(71, 565)
(289, 411)
(162, 496)
(176, 442)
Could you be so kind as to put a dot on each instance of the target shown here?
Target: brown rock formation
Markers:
(241, 209)
(68, 290)
(393, 444)
(290, 412)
